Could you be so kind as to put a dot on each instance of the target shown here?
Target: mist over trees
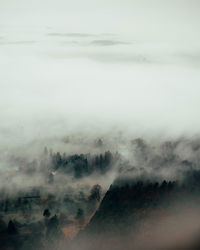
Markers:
(82, 165)
(56, 194)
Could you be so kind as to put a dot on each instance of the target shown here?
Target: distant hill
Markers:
(134, 212)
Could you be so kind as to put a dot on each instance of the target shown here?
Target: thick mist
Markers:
(69, 67)
(99, 124)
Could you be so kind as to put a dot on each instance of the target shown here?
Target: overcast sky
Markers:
(132, 64)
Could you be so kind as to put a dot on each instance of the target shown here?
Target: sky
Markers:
(95, 66)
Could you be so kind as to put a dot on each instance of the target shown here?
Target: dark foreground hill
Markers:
(144, 215)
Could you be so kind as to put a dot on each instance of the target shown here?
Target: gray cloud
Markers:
(124, 56)
(107, 42)
(98, 43)
(120, 57)
(108, 57)
(80, 35)
(191, 58)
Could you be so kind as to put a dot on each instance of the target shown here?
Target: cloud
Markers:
(107, 57)
(17, 43)
(120, 57)
(97, 43)
(107, 42)
(80, 35)
(191, 58)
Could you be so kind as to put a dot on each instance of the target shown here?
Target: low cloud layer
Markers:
(17, 42)
(132, 158)
(78, 35)
(107, 42)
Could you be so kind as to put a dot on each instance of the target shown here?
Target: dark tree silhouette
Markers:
(81, 165)
(99, 143)
(95, 193)
(53, 229)
(12, 228)
(79, 214)
(46, 213)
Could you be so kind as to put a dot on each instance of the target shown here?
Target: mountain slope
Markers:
(138, 214)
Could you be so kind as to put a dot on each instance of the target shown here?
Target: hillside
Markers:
(146, 215)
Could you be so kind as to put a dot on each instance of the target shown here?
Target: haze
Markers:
(98, 65)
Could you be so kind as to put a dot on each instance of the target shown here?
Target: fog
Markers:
(99, 92)
(71, 67)
(175, 231)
